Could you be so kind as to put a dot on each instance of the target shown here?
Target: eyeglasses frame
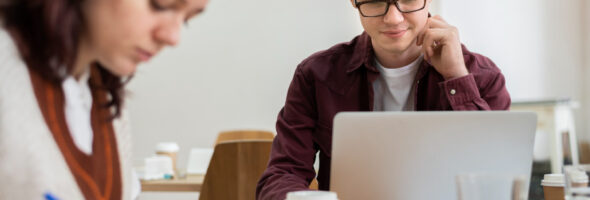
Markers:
(389, 2)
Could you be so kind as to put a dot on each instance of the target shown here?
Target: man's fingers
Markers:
(420, 38)
(432, 40)
(433, 33)
(425, 56)
(439, 18)
(427, 45)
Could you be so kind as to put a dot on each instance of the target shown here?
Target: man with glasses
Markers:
(404, 61)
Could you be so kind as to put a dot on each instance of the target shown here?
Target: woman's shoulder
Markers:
(7, 44)
(17, 97)
(10, 59)
(12, 67)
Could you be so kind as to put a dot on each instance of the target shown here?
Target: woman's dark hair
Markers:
(47, 33)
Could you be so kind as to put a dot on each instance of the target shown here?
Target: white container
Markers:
(157, 167)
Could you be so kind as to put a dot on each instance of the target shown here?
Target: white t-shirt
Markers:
(78, 106)
(393, 90)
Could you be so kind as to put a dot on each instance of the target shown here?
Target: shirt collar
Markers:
(363, 54)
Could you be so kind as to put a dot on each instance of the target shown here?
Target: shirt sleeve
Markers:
(293, 153)
(463, 93)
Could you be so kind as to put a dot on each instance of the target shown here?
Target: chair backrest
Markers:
(253, 134)
(234, 170)
(244, 135)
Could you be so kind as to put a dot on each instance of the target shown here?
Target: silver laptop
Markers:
(418, 155)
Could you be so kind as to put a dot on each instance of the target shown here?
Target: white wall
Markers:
(231, 70)
(586, 76)
(537, 44)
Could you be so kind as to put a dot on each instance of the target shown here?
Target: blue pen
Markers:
(49, 196)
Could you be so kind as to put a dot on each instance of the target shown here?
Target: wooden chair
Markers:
(252, 134)
(244, 135)
(234, 170)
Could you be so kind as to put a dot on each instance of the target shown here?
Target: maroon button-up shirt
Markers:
(340, 79)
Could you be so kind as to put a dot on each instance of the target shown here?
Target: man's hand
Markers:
(442, 48)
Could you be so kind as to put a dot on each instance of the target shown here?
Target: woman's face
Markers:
(120, 34)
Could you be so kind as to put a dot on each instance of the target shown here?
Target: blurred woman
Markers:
(63, 67)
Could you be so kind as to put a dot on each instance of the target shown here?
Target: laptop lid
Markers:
(417, 155)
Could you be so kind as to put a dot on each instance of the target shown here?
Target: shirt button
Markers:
(453, 92)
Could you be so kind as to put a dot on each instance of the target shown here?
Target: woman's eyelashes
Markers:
(157, 6)
(176, 5)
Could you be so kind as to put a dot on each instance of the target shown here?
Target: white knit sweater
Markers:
(31, 163)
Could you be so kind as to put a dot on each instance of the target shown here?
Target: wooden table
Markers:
(192, 183)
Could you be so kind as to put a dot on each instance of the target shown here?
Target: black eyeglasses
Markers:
(376, 8)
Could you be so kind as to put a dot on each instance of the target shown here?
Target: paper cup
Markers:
(553, 186)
